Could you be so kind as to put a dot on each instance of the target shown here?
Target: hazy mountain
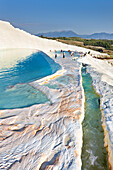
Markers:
(102, 35)
(59, 34)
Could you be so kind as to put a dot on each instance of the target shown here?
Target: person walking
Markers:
(55, 54)
(63, 54)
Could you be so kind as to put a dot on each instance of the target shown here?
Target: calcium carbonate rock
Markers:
(46, 136)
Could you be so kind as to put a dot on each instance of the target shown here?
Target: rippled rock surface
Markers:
(46, 136)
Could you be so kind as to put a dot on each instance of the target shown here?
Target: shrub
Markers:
(100, 50)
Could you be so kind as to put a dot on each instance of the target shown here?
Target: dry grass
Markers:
(71, 42)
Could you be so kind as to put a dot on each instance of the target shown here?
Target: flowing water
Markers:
(94, 155)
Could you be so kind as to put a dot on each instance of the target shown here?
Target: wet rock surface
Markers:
(46, 136)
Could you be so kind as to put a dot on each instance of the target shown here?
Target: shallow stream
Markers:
(94, 155)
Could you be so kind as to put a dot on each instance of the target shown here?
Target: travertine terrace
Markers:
(46, 135)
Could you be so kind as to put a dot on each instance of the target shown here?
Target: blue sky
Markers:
(80, 16)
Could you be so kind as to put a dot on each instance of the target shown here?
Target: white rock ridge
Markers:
(11, 37)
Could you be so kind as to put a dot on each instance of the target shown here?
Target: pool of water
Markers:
(94, 155)
(16, 71)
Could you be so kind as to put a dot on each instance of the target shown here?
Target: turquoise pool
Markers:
(14, 92)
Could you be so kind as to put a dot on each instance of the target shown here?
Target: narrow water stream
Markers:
(94, 155)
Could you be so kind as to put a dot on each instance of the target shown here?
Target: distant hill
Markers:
(102, 35)
(59, 34)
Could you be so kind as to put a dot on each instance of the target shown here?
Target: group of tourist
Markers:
(61, 52)
(70, 52)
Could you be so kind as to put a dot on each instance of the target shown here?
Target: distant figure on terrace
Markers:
(72, 53)
(69, 51)
(63, 54)
(55, 54)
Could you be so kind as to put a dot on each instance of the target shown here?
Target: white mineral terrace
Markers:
(48, 136)
(44, 135)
